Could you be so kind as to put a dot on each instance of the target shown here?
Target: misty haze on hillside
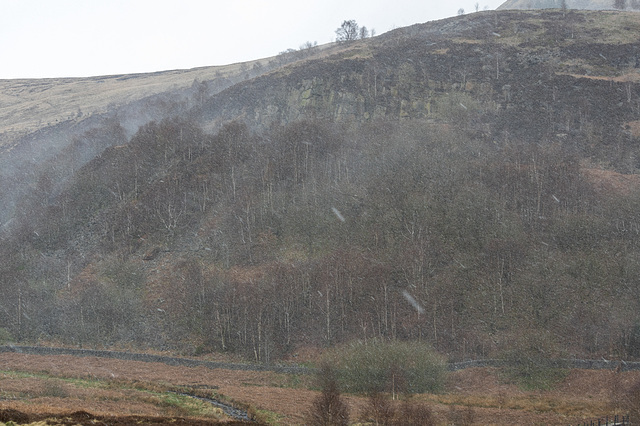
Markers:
(455, 191)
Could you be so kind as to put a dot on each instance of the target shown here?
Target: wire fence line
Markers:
(608, 421)
(581, 364)
(296, 369)
(175, 361)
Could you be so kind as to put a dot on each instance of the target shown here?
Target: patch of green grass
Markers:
(78, 382)
(531, 376)
(184, 405)
(543, 379)
(17, 374)
(266, 417)
(610, 27)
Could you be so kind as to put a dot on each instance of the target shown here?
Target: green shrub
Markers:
(395, 367)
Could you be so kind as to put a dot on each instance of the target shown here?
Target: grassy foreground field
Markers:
(109, 391)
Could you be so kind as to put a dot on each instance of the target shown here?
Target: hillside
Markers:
(570, 4)
(470, 182)
(41, 119)
(31, 105)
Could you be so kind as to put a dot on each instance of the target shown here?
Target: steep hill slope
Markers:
(441, 182)
(529, 75)
(42, 120)
(557, 4)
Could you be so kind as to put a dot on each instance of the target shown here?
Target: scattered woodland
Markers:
(475, 191)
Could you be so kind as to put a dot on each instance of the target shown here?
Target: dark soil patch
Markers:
(84, 418)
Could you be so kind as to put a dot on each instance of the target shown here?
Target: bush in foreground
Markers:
(393, 367)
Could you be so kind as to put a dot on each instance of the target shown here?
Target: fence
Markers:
(608, 421)
(454, 366)
(581, 364)
(130, 356)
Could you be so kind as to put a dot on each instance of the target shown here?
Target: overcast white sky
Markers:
(77, 38)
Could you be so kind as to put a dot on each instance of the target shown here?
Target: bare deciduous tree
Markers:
(348, 31)
(328, 408)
